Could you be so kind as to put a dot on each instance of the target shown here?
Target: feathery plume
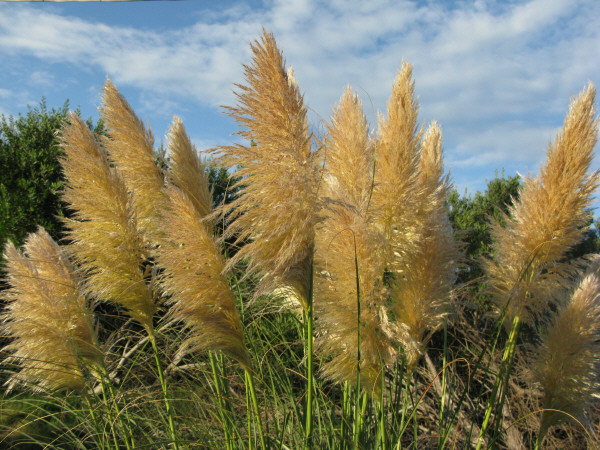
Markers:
(420, 296)
(548, 219)
(350, 152)
(104, 236)
(186, 169)
(46, 317)
(346, 238)
(131, 148)
(193, 279)
(567, 362)
(396, 198)
(276, 210)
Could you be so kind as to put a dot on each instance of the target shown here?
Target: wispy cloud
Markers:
(497, 75)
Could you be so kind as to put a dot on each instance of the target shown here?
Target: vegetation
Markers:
(331, 294)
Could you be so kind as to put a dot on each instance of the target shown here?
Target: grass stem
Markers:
(163, 384)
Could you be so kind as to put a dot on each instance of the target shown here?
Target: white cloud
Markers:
(497, 76)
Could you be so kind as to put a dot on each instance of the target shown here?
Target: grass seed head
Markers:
(548, 219)
(186, 169)
(276, 211)
(46, 317)
(131, 147)
(347, 237)
(105, 240)
(193, 280)
(567, 362)
(395, 195)
(421, 294)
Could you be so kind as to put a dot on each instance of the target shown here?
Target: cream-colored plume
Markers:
(186, 169)
(421, 293)
(275, 213)
(567, 362)
(397, 200)
(131, 148)
(194, 283)
(347, 238)
(548, 219)
(104, 235)
(46, 317)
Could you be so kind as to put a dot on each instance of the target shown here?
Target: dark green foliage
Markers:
(221, 185)
(471, 217)
(31, 177)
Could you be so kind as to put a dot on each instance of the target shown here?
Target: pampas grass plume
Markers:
(46, 317)
(344, 238)
(567, 363)
(421, 295)
(131, 147)
(104, 236)
(275, 212)
(548, 219)
(186, 169)
(193, 280)
(397, 149)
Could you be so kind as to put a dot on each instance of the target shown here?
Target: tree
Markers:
(30, 174)
(471, 217)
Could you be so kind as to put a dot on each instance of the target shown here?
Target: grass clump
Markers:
(342, 239)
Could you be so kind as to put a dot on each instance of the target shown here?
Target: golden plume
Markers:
(397, 199)
(275, 213)
(421, 295)
(548, 219)
(46, 317)
(186, 169)
(105, 241)
(131, 148)
(193, 280)
(347, 239)
(567, 362)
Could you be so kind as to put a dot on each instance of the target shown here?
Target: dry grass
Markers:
(46, 317)
(567, 362)
(548, 219)
(197, 291)
(350, 246)
(276, 211)
(131, 147)
(104, 237)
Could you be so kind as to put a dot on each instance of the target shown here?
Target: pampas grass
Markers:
(186, 169)
(397, 199)
(421, 294)
(527, 274)
(276, 211)
(47, 318)
(197, 291)
(350, 247)
(131, 147)
(548, 219)
(353, 224)
(104, 236)
(567, 362)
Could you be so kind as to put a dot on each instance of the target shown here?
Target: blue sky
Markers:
(498, 76)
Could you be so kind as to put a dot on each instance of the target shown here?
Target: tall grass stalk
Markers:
(165, 391)
(222, 412)
(358, 413)
(256, 410)
(310, 362)
(501, 376)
